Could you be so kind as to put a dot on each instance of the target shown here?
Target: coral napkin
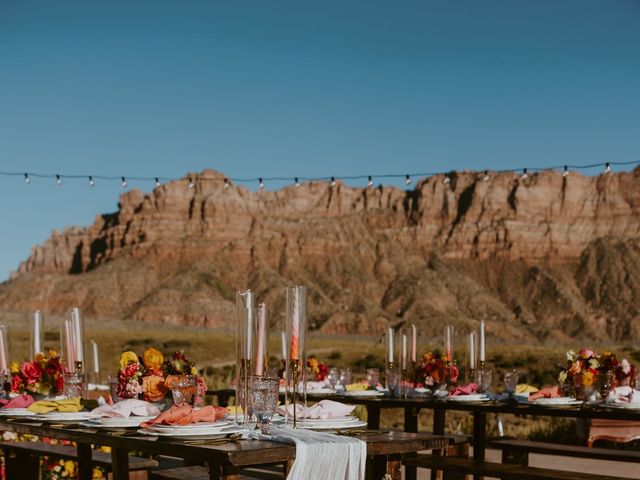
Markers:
(185, 415)
(546, 392)
(21, 401)
(127, 408)
(464, 390)
(69, 405)
(324, 409)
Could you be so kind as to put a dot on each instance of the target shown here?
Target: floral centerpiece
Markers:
(318, 371)
(150, 375)
(435, 370)
(41, 376)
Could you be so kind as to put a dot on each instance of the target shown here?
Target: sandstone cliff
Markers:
(537, 258)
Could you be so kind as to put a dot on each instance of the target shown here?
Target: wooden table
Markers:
(384, 449)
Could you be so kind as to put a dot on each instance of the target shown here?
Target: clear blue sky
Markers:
(289, 88)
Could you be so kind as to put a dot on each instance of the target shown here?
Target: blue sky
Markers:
(290, 88)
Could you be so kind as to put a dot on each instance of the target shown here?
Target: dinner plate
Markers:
(474, 397)
(208, 426)
(120, 422)
(363, 393)
(64, 417)
(16, 412)
(194, 434)
(346, 418)
(556, 402)
(331, 425)
(321, 391)
(624, 405)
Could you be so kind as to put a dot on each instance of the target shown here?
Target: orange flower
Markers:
(152, 358)
(153, 388)
(575, 368)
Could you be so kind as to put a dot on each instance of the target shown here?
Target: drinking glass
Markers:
(345, 377)
(264, 399)
(183, 389)
(393, 379)
(510, 381)
(113, 382)
(74, 385)
(484, 380)
(334, 377)
(373, 377)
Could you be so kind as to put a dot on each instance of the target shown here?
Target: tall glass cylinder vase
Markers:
(296, 333)
(37, 334)
(245, 332)
(4, 355)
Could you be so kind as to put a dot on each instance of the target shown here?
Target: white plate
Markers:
(119, 422)
(475, 397)
(559, 401)
(63, 417)
(202, 425)
(331, 425)
(346, 418)
(625, 405)
(321, 391)
(194, 434)
(364, 393)
(16, 412)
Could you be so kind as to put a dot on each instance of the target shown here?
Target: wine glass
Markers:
(484, 380)
(393, 378)
(510, 381)
(334, 377)
(345, 377)
(264, 399)
(373, 377)
(183, 389)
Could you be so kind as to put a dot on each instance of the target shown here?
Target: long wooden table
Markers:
(384, 449)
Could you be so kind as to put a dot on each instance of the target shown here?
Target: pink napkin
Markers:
(127, 408)
(324, 409)
(546, 392)
(21, 401)
(465, 390)
(186, 415)
(624, 394)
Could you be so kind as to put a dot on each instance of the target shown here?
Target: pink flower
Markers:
(586, 353)
(16, 383)
(31, 371)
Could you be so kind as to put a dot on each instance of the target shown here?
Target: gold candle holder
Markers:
(79, 366)
(245, 374)
(294, 369)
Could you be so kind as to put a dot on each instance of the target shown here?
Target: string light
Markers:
(607, 168)
(27, 180)
(370, 182)
(92, 182)
(524, 175)
(260, 184)
(407, 180)
(565, 174)
(157, 182)
(226, 183)
(297, 182)
(124, 183)
(486, 176)
(191, 183)
(58, 180)
(333, 182)
(447, 180)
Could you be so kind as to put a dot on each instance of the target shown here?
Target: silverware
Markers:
(233, 437)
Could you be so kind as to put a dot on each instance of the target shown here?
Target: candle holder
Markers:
(295, 341)
(294, 371)
(79, 366)
(243, 390)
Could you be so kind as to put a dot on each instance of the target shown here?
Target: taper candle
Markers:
(404, 351)
(472, 351)
(96, 357)
(414, 343)
(261, 347)
(390, 345)
(482, 346)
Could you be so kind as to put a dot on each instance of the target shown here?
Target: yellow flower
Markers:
(70, 467)
(587, 378)
(52, 353)
(14, 367)
(152, 358)
(194, 371)
(126, 358)
(39, 357)
(97, 473)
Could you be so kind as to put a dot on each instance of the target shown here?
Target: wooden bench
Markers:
(500, 470)
(24, 456)
(201, 473)
(516, 451)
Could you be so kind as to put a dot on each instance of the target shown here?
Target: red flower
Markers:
(31, 371)
(129, 371)
(59, 382)
(16, 383)
(53, 367)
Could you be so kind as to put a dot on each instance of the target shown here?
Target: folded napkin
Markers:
(546, 392)
(464, 390)
(319, 455)
(624, 394)
(186, 415)
(21, 401)
(323, 409)
(69, 405)
(311, 386)
(523, 388)
(127, 408)
(356, 387)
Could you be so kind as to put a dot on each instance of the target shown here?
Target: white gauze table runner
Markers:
(319, 455)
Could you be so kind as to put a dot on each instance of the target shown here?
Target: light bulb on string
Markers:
(297, 182)
(524, 175)
(191, 185)
(607, 168)
(447, 180)
(566, 171)
(226, 183)
(260, 184)
(58, 180)
(157, 182)
(407, 180)
(333, 182)
(370, 182)
(92, 182)
(486, 177)
(27, 180)
(123, 182)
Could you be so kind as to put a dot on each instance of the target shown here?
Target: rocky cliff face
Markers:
(537, 258)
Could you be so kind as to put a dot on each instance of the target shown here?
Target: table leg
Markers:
(21, 465)
(411, 415)
(219, 471)
(85, 470)
(373, 417)
(479, 438)
(381, 465)
(439, 422)
(120, 463)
